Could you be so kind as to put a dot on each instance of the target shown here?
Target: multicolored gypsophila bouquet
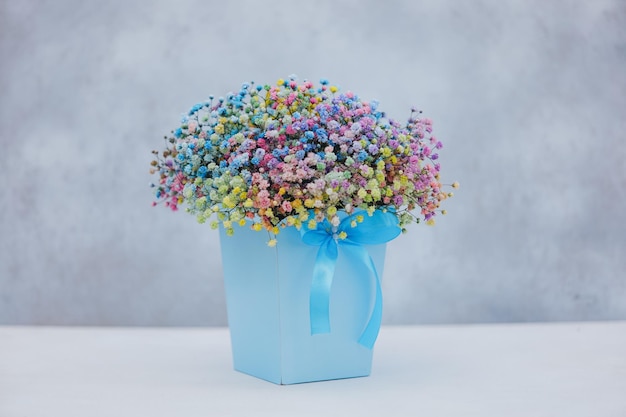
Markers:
(294, 154)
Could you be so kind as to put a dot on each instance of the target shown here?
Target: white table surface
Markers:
(569, 370)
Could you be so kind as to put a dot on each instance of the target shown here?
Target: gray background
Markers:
(529, 98)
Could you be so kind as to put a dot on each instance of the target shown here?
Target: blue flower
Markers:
(202, 171)
(321, 132)
(194, 109)
(300, 154)
(178, 133)
(309, 135)
(180, 157)
(361, 156)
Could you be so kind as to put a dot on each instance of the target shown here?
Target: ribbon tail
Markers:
(319, 301)
(370, 334)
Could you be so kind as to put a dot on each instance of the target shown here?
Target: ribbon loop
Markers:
(377, 229)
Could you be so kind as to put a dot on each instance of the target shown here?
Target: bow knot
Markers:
(379, 228)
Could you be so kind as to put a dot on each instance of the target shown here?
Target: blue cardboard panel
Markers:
(267, 294)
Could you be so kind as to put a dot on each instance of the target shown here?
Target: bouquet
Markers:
(296, 154)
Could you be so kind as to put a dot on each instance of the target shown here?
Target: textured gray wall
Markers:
(529, 98)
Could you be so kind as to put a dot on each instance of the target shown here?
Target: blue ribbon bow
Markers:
(377, 229)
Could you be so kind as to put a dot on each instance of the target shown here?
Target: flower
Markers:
(291, 154)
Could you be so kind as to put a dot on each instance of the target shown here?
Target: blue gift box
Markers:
(268, 292)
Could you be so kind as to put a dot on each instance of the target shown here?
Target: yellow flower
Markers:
(309, 203)
(333, 89)
(228, 202)
(248, 203)
(280, 82)
(272, 242)
(376, 194)
(257, 227)
(219, 129)
(242, 222)
(430, 222)
(455, 184)
(342, 235)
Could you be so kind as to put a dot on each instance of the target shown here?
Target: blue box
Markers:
(267, 295)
